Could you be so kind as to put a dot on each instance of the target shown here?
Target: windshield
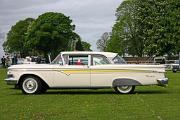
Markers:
(119, 60)
(57, 60)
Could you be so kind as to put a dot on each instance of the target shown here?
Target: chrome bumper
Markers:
(11, 81)
(162, 82)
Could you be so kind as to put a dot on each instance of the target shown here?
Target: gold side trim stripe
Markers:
(80, 71)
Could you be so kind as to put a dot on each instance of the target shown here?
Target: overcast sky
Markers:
(91, 17)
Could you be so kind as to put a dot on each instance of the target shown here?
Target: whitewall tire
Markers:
(31, 85)
(125, 89)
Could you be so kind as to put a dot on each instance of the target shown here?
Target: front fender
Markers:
(38, 74)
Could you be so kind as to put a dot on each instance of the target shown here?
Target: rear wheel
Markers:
(125, 89)
(31, 85)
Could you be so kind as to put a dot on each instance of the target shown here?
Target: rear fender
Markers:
(125, 81)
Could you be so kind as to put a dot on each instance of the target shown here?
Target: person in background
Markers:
(12, 59)
(15, 59)
(7, 61)
(3, 61)
(38, 60)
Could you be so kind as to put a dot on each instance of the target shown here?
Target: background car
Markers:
(176, 66)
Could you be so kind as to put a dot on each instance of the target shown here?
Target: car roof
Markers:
(107, 54)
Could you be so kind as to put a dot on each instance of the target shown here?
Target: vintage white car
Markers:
(85, 70)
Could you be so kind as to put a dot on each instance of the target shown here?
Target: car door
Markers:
(100, 75)
(75, 72)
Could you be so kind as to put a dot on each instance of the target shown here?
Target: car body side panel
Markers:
(77, 76)
(61, 77)
(88, 75)
(105, 77)
(93, 76)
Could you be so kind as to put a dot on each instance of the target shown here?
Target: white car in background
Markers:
(176, 66)
(85, 70)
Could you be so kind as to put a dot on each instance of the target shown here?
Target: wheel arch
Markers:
(125, 81)
(25, 75)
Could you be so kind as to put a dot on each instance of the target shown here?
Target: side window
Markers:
(99, 60)
(78, 60)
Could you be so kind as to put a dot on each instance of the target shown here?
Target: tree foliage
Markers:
(102, 42)
(146, 28)
(16, 37)
(160, 26)
(79, 46)
(50, 32)
(86, 46)
(124, 35)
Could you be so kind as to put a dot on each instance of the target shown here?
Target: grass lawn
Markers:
(148, 103)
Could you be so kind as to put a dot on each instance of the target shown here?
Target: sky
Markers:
(91, 17)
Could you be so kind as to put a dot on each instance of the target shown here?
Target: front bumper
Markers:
(11, 81)
(162, 82)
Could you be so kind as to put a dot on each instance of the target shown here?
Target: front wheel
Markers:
(31, 85)
(125, 89)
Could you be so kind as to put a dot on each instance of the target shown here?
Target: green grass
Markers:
(148, 103)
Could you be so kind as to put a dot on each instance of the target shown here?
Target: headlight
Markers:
(10, 74)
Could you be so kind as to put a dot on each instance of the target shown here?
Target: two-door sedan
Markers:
(85, 70)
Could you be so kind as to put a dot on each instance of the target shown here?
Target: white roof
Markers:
(107, 54)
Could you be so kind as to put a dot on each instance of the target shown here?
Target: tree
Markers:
(16, 37)
(102, 42)
(125, 37)
(79, 46)
(122, 31)
(51, 33)
(86, 46)
(158, 23)
(146, 28)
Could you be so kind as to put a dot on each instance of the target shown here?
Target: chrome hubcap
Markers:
(30, 85)
(124, 89)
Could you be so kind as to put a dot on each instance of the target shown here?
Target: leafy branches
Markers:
(50, 33)
(146, 28)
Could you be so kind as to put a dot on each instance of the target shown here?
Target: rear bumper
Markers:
(163, 82)
(11, 81)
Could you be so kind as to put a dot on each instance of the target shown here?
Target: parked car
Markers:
(176, 66)
(93, 70)
(159, 60)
